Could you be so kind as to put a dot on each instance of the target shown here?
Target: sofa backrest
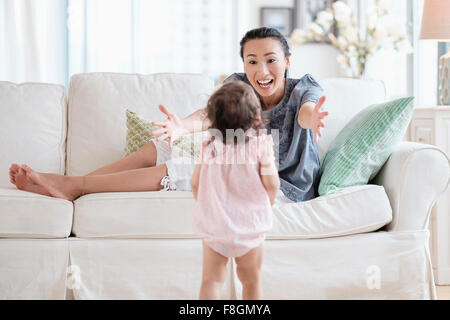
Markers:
(97, 111)
(345, 98)
(32, 127)
(97, 104)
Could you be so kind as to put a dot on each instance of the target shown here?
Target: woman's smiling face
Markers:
(265, 65)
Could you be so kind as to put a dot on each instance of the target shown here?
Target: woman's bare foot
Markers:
(56, 185)
(19, 178)
(13, 170)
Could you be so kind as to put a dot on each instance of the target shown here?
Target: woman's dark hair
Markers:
(235, 106)
(262, 33)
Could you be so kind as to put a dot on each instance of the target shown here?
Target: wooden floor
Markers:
(443, 292)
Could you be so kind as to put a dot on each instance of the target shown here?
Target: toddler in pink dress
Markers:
(235, 185)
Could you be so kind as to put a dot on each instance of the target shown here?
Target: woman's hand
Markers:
(172, 128)
(317, 119)
(310, 117)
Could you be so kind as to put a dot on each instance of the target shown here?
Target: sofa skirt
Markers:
(376, 265)
(33, 268)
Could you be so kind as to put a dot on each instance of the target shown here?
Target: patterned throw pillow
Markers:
(362, 147)
(138, 134)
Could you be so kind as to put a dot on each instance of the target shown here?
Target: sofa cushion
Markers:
(167, 214)
(97, 108)
(138, 134)
(359, 151)
(32, 127)
(28, 215)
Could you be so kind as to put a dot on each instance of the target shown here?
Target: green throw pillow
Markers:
(138, 134)
(364, 144)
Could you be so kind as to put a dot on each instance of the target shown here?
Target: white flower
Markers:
(404, 46)
(325, 19)
(351, 34)
(372, 45)
(298, 36)
(352, 52)
(395, 31)
(315, 32)
(385, 5)
(343, 61)
(342, 12)
(371, 20)
(380, 32)
(342, 42)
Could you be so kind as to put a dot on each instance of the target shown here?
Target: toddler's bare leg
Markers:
(213, 274)
(70, 188)
(248, 269)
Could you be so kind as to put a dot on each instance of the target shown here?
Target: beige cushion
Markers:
(138, 134)
(28, 215)
(167, 214)
(32, 127)
(97, 108)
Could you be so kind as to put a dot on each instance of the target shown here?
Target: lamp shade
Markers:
(436, 20)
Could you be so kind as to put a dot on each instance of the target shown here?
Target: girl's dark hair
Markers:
(235, 106)
(262, 33)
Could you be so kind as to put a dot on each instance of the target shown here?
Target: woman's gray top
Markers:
(296, 153)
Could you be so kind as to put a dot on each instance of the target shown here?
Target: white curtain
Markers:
(32, 41)
(150, 36)
(49, 40)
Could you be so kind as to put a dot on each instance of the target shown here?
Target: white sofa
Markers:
(366, 242)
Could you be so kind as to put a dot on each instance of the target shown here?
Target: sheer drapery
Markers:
(149, 36)
(49, 40)
(32, 41)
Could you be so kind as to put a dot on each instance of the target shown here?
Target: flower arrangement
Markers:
(355, 47)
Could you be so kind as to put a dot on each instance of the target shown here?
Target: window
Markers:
(49, 40)
(150, 36)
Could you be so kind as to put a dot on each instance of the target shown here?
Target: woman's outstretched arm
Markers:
(174, 127)
(310, 117)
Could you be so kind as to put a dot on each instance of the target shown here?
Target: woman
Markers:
(291, 105)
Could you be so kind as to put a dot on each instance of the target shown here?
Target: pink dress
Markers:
(233, 211)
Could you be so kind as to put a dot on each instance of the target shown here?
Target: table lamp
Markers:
(436, 26)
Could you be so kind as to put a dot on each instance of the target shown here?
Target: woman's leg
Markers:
(144, 157)
(213, 274)
(70, 188)
(248, 269)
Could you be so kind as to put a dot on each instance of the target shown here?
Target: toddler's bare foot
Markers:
(56, 185)
(19, 178)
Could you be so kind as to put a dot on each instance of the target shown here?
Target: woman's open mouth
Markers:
(265, 84)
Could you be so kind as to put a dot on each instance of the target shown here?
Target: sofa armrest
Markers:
(414, 177)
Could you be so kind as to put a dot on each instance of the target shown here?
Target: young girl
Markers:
(235, 184)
